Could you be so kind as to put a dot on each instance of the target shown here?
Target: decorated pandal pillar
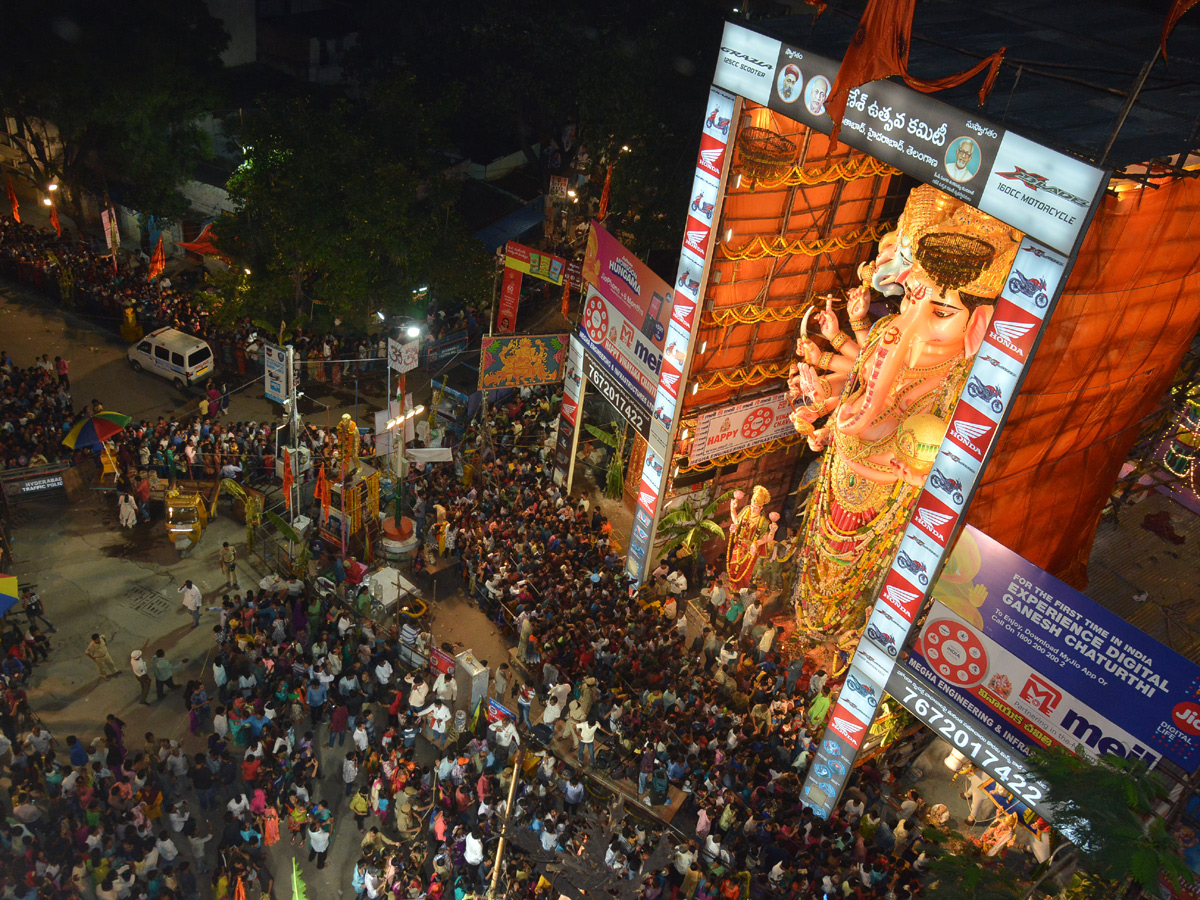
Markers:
(878, 400)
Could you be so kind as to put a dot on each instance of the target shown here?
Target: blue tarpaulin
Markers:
(514, 225)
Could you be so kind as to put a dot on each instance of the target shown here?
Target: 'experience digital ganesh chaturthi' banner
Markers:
(1035, 662)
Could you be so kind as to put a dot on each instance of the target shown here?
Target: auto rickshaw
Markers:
(187, 514)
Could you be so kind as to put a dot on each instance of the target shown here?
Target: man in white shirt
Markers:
(192, 601)
(439, 720)
(506, 736)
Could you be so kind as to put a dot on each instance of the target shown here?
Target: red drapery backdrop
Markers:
(1127, 316)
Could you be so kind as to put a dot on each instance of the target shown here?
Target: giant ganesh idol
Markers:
(878, 402)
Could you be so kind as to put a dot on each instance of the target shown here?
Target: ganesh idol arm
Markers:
(857, 305)
(826, 360)
(844, 351)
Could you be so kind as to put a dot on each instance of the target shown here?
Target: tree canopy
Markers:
(122, 84)
(627, 74)
(340, 204)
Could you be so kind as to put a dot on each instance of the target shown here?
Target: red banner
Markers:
(510, 296)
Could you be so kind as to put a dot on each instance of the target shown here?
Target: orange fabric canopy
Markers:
(1113, 344)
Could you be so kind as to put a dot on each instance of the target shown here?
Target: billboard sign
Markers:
(276, 386)
(1043, 193)
(743, 425)
(510, 300)
(521, 360)
(625, 403)
(628, 355)
(1010, 642)
(628, 284)
(528, 261)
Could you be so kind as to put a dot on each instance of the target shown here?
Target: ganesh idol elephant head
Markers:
(950, 288)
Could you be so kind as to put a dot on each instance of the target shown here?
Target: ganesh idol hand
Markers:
(908, 474)
(857, 303)
(827, 320)
(818, 440)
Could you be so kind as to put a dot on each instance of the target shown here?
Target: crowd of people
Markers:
(35, 397)
(312, 720)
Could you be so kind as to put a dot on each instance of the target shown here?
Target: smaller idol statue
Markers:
(751, 534)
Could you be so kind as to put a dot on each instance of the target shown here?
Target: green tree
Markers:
(1107, 808)
(628, 74)
(107, 96)
(340, 203)
(612, 437)
(690, 524)
(966, 874)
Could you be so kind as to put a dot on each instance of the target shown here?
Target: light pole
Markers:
(400, 422)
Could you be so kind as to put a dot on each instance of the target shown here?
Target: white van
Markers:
(182, 358)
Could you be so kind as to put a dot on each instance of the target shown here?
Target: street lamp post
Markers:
(400, 422)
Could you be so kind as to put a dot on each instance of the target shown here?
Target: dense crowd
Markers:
(314, 723)
(36, 400)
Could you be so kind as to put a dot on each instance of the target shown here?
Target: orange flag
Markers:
(239, 892)
(158, 261)
(880, 48)
(287, 478)
(323, 494)
(1178, 8)
(604, 194)
(54, 219)
(12, 198)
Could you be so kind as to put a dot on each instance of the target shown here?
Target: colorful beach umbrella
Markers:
(9, 594)
(97, 429)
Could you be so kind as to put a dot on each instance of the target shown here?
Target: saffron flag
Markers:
(239, 892)
(204, 244)
(54, 219)
(1178, 8)
(323, 494)
(880, 48)
(158, 261)
(12, 198)
(287, 478)
(604, 194)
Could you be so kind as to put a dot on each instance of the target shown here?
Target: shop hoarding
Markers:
(529, 261)
(276, 386)
(704, 211)
(1039, 191)
(1034, 282)
(1039, 663)
(611, 390)
(627, 354)
(743, 425)
(521, 360)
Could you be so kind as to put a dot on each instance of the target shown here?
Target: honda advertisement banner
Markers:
(1043, 193)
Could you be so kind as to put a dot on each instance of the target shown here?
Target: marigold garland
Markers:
(744, 377)
(742, 455)
(759, 247)
(752, 315)
(848, 170)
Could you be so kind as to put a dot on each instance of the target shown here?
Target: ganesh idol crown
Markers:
(877, 400)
